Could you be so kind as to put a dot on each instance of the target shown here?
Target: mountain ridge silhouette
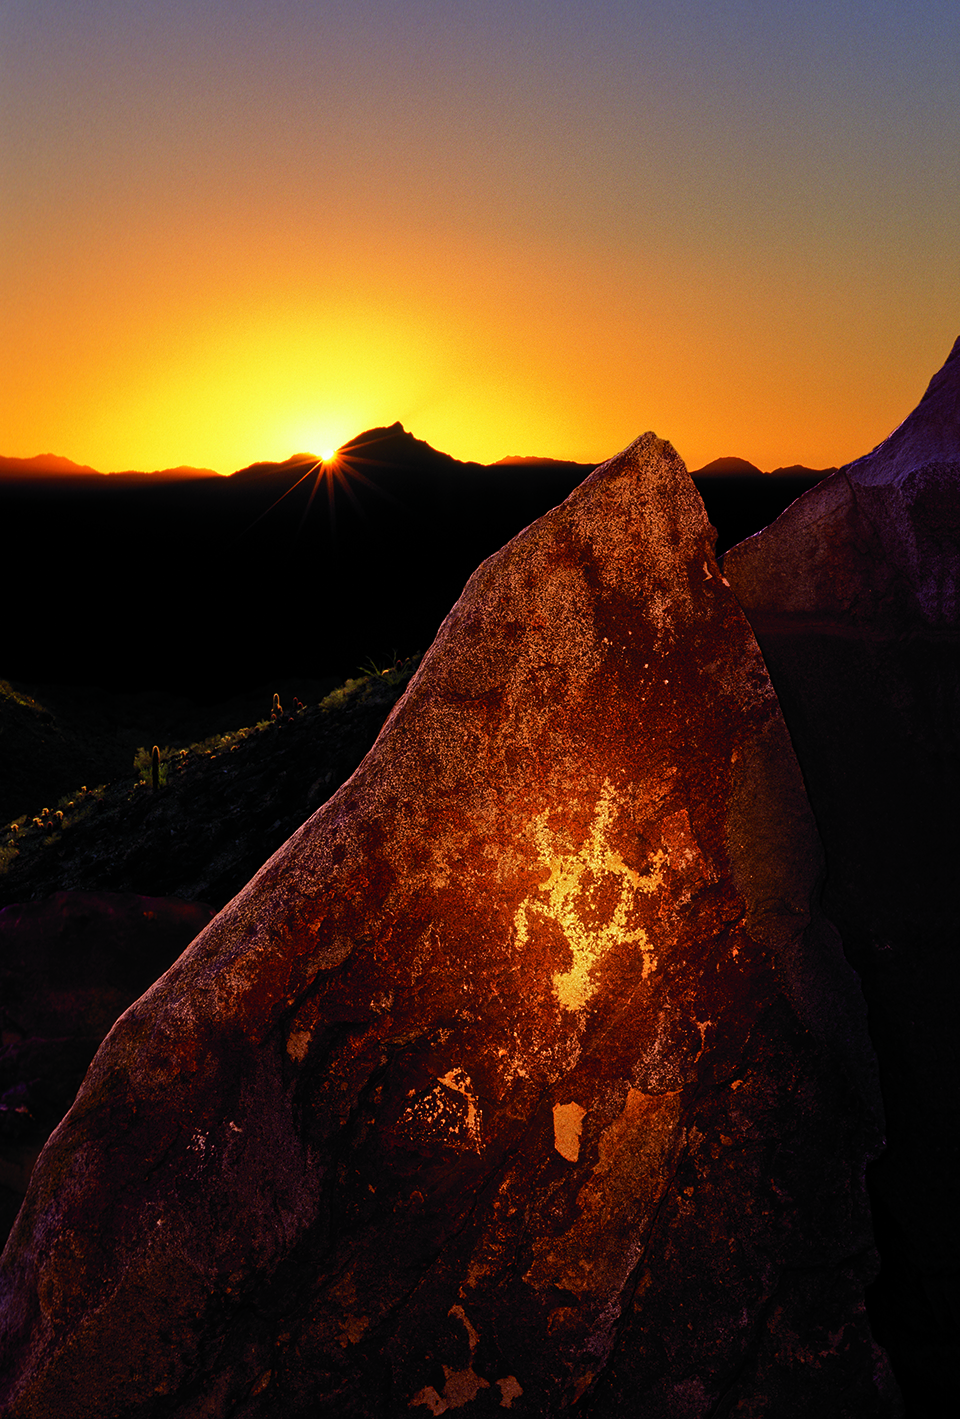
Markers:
(381, 440)
(54, 465)
(207, 586)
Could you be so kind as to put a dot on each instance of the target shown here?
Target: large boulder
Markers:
(526, 1075)
(854, 595)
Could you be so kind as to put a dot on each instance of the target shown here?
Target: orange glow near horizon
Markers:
(567, 238)
(263, 383)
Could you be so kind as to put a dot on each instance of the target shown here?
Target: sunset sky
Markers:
(235, 230)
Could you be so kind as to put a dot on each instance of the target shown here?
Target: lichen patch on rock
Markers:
(589, 893)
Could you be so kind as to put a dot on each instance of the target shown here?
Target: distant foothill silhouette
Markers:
(202, 585)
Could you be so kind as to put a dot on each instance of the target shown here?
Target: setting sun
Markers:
(527, 258)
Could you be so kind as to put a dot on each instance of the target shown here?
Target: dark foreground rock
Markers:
(69, 965)
(525, 1075)
(853, 595)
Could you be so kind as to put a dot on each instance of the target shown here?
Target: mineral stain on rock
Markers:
(527, 1073)
(567, 1123)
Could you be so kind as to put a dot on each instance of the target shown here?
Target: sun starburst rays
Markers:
(335, 469)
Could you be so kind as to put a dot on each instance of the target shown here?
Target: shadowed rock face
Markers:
(853, 594)
(524, 1075)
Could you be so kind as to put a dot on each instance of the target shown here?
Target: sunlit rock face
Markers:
(853, 594)
(524, 1076)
